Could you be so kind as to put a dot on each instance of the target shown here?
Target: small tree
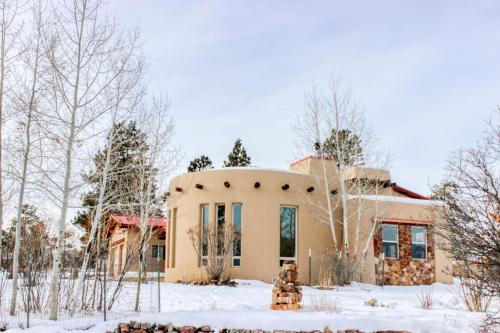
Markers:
(200, 163)
(469, 220)
(238, 156)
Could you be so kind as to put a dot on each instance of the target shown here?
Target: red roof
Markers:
(408, 193)
(135, 220)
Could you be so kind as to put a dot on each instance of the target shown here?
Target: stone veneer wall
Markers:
(405, 270)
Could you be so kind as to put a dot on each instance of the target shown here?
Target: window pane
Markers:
(418, 251)
(237, 230)
(162, 252)
(287, 231)
(220, 218)
(418, 235)
(390, 250)
(236, 262)
(389, 232)
(154, 251)
(204, 227)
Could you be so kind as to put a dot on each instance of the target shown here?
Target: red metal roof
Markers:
(135, 220)
(408, 193)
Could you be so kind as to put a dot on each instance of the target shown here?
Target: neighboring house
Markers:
(124, 245)
(278, 214)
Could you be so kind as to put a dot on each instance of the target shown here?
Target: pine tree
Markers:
(238, 156)
(200, 163)
(348, 147)
(128, 158)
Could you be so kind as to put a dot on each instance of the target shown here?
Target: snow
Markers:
(387, 198)
(251, 168)
(247, 306)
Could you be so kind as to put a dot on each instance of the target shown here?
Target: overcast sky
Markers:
(427, 72)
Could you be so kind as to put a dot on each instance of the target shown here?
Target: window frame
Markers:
(419, 243)
(158, 251)
(294, 259)
(204, 257)
(233, 205)
(390, 241)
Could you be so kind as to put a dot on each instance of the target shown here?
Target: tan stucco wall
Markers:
(128, 239)
(261, 220)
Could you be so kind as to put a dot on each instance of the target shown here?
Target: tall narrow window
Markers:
(288, 220)
(172, 236)
(390, 240)
(204, 233)
(237, 235)
(418, 243)
(220, 211)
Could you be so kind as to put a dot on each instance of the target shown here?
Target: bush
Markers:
(425, 298)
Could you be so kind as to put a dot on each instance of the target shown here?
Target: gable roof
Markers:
(124, 220)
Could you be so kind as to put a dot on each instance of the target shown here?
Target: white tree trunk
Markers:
(61, 227)
(26, 158)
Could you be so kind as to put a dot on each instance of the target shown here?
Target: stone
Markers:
(188, 329)
(124, 328)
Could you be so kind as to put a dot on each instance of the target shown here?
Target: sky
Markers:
(426, 72)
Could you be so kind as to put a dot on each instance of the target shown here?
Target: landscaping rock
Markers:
(287, 293)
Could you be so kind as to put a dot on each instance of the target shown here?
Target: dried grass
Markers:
(323, 302)
(426, 298)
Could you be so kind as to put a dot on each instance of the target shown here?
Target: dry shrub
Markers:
(323, 302)
(474, 294)
(335, 269)
(491, 324)
(214, 247)
(426, 298)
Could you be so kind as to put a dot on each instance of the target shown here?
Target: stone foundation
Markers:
(405, 270)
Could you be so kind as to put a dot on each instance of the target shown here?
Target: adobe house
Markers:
(280, 215)
(124, 231)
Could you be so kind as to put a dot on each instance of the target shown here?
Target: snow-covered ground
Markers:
(247, 306)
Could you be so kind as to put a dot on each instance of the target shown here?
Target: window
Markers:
(172, 234)
(158, 250)
(288, 219)
(220, 217)
(204, 234)
(390, 240)
(237, 235)
(418, 243)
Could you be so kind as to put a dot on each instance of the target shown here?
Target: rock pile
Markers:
(287, 293)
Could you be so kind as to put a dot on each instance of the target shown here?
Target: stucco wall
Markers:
(260, 220)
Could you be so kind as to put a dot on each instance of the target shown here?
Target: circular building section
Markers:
(267, 207)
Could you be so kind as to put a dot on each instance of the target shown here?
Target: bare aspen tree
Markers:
(333, 128)
(123, 97)
(82, 49)
(27, 100)
(9, 31)
(161, 159)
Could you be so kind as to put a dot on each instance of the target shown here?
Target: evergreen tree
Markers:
(200, 163)
(238, 156)
(348, 147)
(128, 163)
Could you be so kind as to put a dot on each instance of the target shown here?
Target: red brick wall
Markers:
(405, 270)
